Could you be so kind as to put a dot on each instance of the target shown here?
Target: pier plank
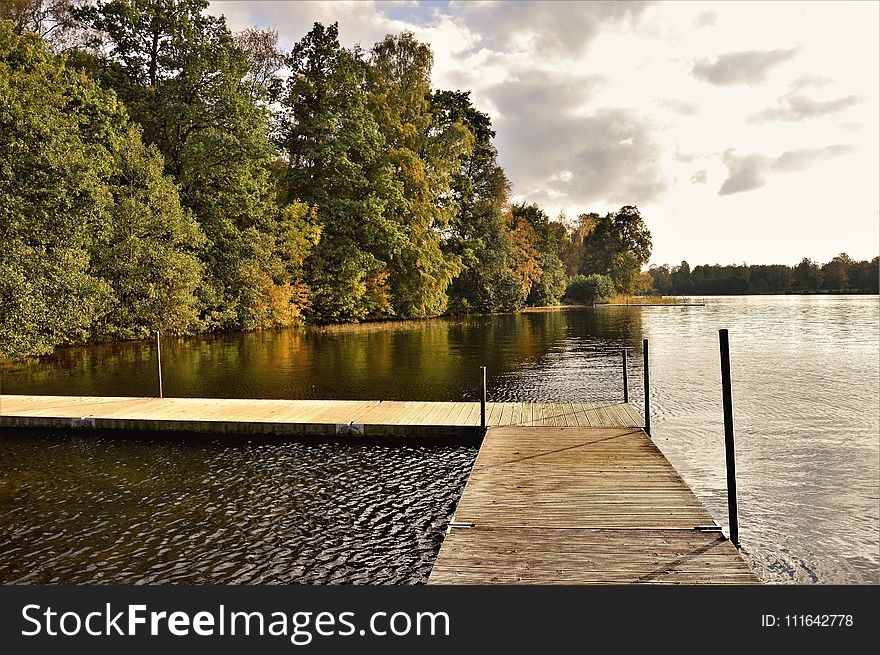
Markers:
(592, 505)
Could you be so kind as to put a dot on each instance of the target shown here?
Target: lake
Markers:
(806, 394)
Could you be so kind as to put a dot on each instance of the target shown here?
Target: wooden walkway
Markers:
(299, 417)
(560, 493)
(581, 505)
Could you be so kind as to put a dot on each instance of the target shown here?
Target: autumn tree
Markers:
(550, 285)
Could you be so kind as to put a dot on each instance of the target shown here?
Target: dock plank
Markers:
(598, 505)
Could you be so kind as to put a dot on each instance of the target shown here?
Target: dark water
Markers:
(82, 510)
(806, 374)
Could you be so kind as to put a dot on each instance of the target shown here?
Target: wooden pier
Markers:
(560, 493)
(299, 417)
(581, 505)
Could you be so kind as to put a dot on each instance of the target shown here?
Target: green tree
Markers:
(424, 153)
(335, 161)
(589, 289)
(618, 246)
(479, 233)
(148, 255)
(188, 84)
(74, 180)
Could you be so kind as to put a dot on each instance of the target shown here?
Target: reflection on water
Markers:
(806, 400)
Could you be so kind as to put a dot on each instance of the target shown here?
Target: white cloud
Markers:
(799, 108)
(749, 172)
(749, 67)
(601, 104)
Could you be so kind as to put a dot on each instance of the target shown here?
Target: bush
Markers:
(589, 289)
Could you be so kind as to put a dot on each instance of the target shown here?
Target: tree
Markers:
(661, 278)
(835, 274)
(96, 244)
(52, 20)
(807, 275)
(574, 252)
(549, 287)
(264, 60)
(589, 289)
(335, 162)
(618, 246)
(183, 78)
(478, 232)
(149, 253)
(681, 277)
(424, 154)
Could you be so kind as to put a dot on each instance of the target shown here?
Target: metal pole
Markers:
(625, 379)
(483, 399)
(729, 449)
(647, 387)
(159, 362)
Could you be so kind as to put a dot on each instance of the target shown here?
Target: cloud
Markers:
(682, 107)
(749, 172)
(706, 19)
(609, 155)
(744, 173)
(810, 79)
(545, 28)
(700, 177)
(748, 67)
(798, 160)
(799, 108)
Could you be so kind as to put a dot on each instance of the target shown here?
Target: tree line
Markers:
(158, 172)
(841, 275)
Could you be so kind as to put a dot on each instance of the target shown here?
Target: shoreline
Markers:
(414, 323)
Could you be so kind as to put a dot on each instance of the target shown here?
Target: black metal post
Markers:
(647, 387)
(483, 399)
(625, 379)
(729, 448)
(159, 362)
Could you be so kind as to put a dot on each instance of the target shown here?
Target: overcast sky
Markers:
(743, 131)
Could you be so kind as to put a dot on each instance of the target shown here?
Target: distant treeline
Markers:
(841, 275)
(158, 172)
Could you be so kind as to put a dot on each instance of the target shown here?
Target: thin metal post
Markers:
(625, 379)
(729, 447)
(647, 387)
(483, 399)
(159, 362)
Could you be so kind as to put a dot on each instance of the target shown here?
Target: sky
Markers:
(743, 131)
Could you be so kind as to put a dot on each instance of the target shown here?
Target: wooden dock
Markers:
(560, 493)
(581, 505)
(299, 417)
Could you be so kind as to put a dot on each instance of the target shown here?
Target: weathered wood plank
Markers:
(601, 505)
(263, 416)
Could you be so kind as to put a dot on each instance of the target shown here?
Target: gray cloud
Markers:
(798, 160)
(683, 107)
(555, 28)
(798, 108)
(810, 80)
(748, 67)
(558, 151)
(706, 19)
(700, 177)
(744, 173)
(749, 172)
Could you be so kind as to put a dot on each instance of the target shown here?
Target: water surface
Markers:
(806, 383)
